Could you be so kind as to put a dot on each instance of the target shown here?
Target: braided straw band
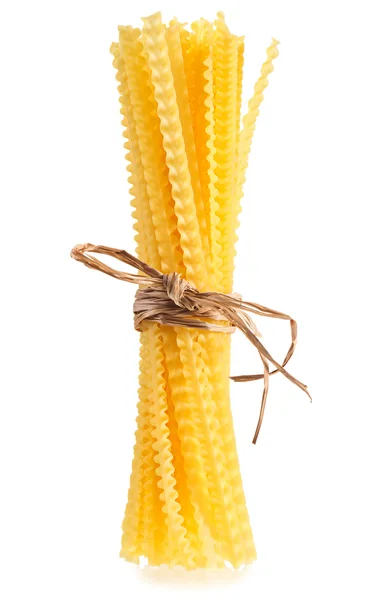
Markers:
(171, 300)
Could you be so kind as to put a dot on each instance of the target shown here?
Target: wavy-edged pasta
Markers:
(180, 91)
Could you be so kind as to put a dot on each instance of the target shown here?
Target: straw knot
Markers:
(176, 288)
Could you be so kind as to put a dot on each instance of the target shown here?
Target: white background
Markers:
(69, 352)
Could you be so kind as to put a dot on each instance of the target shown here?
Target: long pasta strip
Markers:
(229, 524)
(203, 117)
(189, 56)
(132, 539)
(162, 445)
(240, 64)
(136, 178)
(219, 351)
(187, 510)
(134, 543)
(219, 347)
(250, 118)
(225, 73)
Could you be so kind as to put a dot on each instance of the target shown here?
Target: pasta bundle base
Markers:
(180, 94)
(180, 91)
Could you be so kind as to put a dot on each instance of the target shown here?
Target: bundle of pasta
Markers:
(180, 94)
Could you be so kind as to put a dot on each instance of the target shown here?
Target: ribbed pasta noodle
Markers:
(139, 506)
(250, 118)
(225, 75)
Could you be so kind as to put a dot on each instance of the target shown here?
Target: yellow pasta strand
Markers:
(225, 73)
(250, 118)
(177, 543)
(133, 519)
(172, 371)
(240, 64)
(132, 541)
(228, 524)
(219, 364)
(203, 116)
(136, 179)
